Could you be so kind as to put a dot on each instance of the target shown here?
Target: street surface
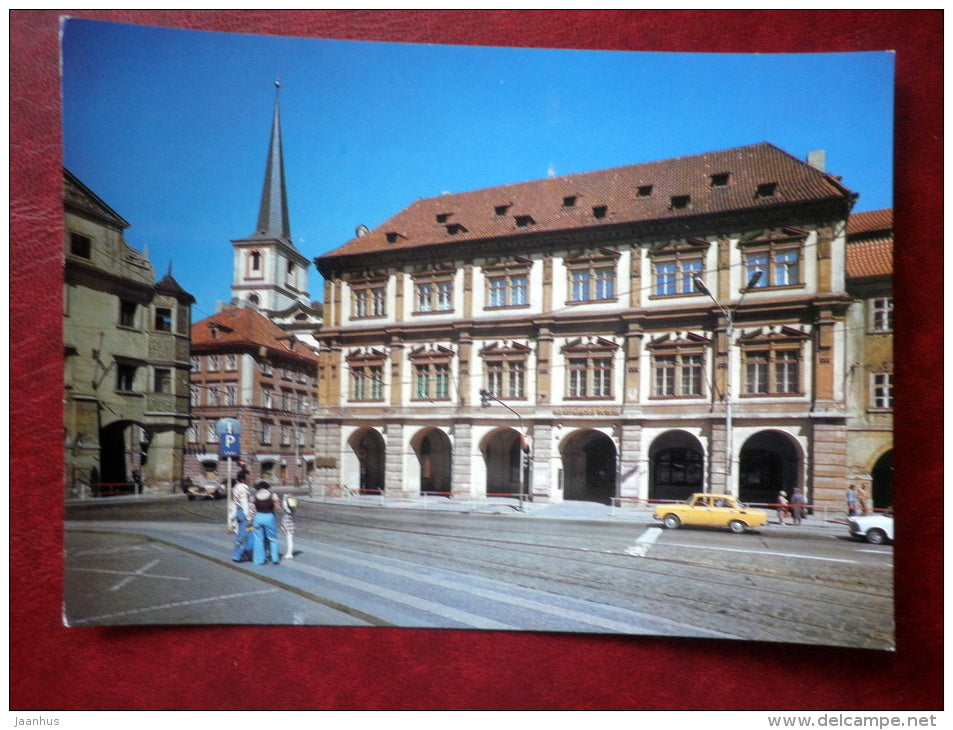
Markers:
(168, 562)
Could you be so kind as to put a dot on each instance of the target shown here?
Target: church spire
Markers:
(273, 211)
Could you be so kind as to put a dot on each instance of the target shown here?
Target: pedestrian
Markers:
(289, 505)
(265, 504)
(861, 500)
(798, 506)
(782, 506)
(241, 493)
(851, 501)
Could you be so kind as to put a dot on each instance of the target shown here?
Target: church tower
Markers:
(269, 272)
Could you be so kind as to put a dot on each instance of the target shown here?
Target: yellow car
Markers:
(711, 510)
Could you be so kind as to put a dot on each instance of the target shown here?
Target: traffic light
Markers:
(484, 397)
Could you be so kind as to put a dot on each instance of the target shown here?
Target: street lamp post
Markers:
(485, 398)
(729, 333)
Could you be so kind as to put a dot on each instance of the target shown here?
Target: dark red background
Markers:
(209, 667)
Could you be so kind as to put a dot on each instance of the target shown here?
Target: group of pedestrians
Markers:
(796, 508)
(256, 520)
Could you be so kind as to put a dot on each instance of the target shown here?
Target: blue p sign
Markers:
(229, 447)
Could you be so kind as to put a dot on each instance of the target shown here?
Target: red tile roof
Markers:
(870, 244)
(641, 192)
(243, 327)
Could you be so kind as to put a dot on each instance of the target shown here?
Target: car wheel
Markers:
(876, 536)
(737, 526)
(672, 522)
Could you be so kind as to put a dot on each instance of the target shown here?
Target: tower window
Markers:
(163, 319)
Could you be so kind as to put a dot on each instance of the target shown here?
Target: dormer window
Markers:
(680, 202)
(599, 211)
(569, 201)
(766, 190)
(719, 180)
(392, 236)
(455, 228)
(524, 220)
(644, 191)
(443, 217)
(501, 209)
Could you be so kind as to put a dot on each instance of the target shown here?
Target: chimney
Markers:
(817, 159)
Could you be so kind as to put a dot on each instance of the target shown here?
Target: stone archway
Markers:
(435, 460)
(881, 487)
(676, 466)
(770, 461)
(368, 447)
(502, 454)
(590, 467)
(123, 452)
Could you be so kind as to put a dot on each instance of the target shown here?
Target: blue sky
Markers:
(170, 127)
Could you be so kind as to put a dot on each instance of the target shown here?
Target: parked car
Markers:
(711, 510)
(208, 489)
(875, 529)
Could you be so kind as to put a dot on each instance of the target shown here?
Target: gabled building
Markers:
(126, 370)
(870, 370)
(246, 367)
(640, 332)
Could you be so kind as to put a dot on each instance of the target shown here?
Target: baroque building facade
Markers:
(635, 333)
(126, 356)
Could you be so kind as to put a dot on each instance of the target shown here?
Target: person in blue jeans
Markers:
(241, 494)
(266, 505)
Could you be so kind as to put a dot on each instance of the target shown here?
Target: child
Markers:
(289, 504)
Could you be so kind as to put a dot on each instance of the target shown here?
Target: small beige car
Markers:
(711, 510)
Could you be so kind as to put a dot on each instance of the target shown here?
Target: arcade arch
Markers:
(589, 467)
(676, 466)
(769, 462)
(367, 452)
(434, 460)
(502, 454)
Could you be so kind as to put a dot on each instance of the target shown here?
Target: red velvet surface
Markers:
(199, 668)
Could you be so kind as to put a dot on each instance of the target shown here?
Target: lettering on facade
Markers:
(583, 411)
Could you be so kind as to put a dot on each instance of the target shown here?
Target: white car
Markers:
(876, 529)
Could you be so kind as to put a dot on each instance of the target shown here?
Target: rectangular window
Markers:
(196, 363)
(125, 378)
(881, 314)
(80, 245)
(194, 397)
(231, 395)
(193, 433)
(163, 321)
(231, 362)
(127, 313)
(211, 435)
(432, 381)
(367, 382)
(881, 390)
(213, 398)
(678, 374)
(368, 300)
(772, 371)
(506, 377)
(213, 363)
(676, 276)
(433, 295)
(267, 398)
(508, 290)
(162, 380)
(592, 283)
(778, 266)
(590, 376)
(266, 432)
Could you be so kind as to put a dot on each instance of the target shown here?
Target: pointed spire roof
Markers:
(273, 211)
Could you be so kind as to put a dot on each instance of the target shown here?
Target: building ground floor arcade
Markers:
(586, 457)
